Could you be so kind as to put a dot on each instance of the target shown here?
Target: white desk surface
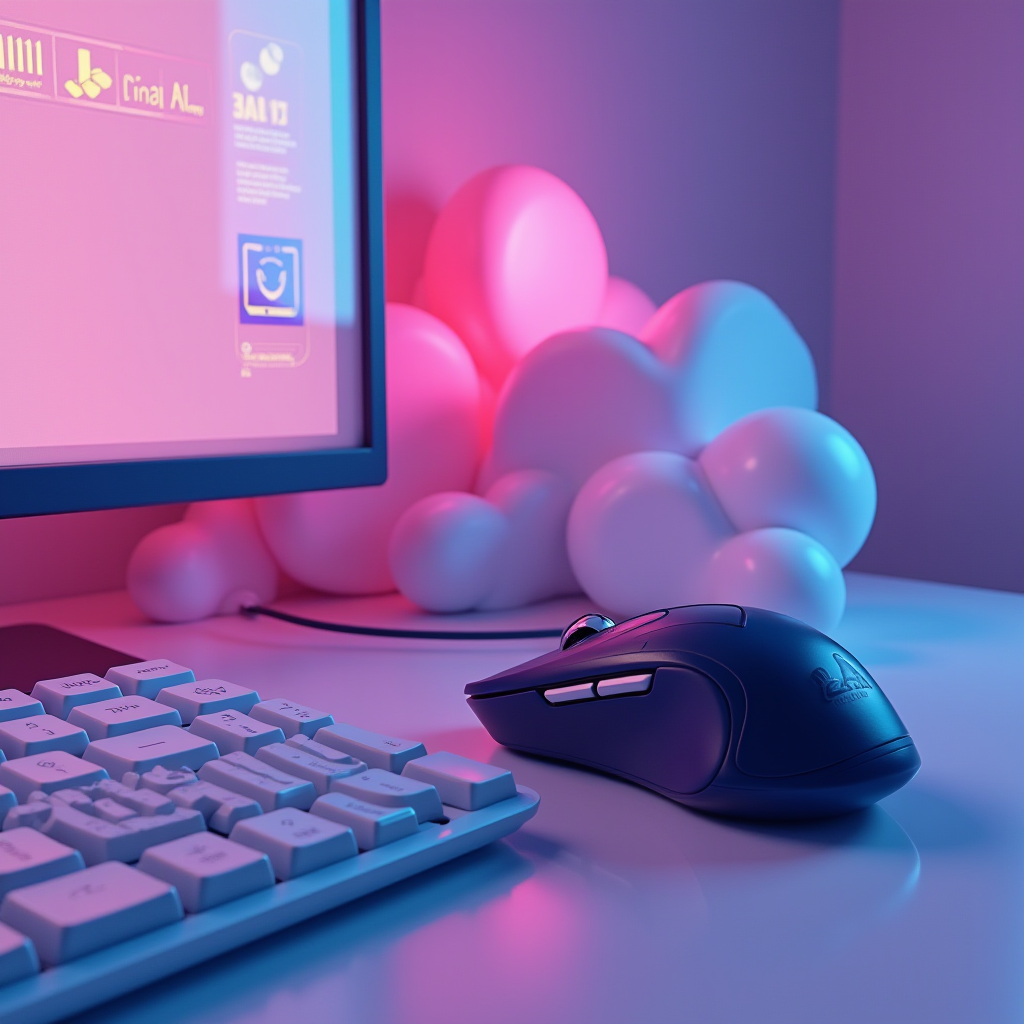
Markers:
(614, 905)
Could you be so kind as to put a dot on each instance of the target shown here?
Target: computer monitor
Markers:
(191, 269)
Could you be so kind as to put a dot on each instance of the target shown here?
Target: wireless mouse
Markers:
(735, 711)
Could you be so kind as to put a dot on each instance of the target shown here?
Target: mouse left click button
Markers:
(581, 691)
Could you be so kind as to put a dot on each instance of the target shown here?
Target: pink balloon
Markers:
(514, 256)
(626, 307)
(211, 563)
(781, 570)
(338, 540)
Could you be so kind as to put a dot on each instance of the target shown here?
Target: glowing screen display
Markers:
(178, 230)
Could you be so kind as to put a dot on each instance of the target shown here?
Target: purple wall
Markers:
(700, 132)
(928, 360)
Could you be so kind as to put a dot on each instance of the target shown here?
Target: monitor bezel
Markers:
(79, 487)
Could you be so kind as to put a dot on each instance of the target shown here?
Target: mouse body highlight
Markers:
(734, 711)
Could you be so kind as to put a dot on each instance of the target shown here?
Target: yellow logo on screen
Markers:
(91, 81)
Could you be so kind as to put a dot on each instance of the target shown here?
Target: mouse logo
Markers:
(848, 686)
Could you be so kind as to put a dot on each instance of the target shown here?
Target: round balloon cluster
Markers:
(551, 431)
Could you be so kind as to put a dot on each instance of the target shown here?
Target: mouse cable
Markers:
(403, 634)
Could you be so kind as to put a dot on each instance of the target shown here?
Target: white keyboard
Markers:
(152, 821)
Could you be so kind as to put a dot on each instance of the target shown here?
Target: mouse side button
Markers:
(624, 684)
(562, 694)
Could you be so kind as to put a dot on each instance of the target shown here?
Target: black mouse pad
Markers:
(31, 651)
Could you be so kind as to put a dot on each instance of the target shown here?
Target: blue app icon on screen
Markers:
(270, 280)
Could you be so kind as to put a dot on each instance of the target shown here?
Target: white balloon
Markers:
(535, 564)
(211, 563)
(642, 531)
(781, 570)
(795, 468)
(445, 549)
(456, 552)
(175, 574)
(733, 351)
(578, 400)
(626, 308)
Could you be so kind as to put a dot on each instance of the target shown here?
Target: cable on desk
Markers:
(404, 634)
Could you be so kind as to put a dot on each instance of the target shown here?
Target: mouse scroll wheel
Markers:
(586, 625)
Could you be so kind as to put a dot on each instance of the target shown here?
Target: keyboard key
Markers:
(231, 812)
(148, 678)
(48, 773)
(461, 782)
(269, 787)
(122, 715)
(29, 815)
(372, 825)
(101, 840)
(8, 801)
(88, 910)
(232, 731)
(203, 797)
(18, 957)
(162, 828)
(40, 734)
(111, 810)
(296, 842)
(139, 752)
(297, 762)
(71, 797)
(27, 857)
(59, 696)
(208, 870)
(138, 801)
(376, 750)
(376, 786)
(159, 779)
(15, 704)
(97, 840)
(290, 717)
(206, 697)
(221, 808)
(324, 752)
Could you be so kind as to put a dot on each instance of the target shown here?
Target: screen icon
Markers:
(91, 81)
(270, 276)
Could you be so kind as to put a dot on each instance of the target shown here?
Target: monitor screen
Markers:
(189, 250)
